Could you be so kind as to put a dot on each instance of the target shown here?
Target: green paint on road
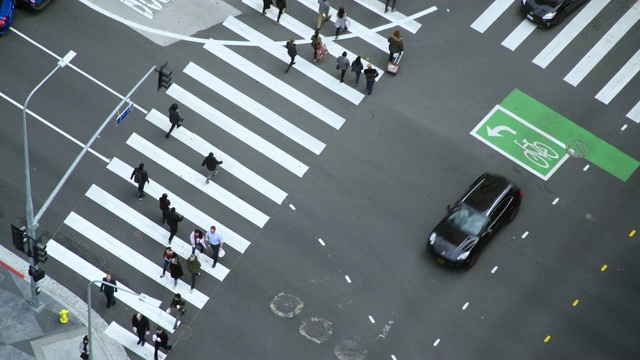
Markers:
(598, 152)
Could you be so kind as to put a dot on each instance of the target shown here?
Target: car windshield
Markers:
(467, 219)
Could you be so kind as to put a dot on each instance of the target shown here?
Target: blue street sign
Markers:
(124, 114)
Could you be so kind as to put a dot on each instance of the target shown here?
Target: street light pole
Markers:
(31, 224)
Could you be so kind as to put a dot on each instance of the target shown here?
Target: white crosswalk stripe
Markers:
(153, 230)
(396, 16)
(129, 340)
(634, 114)
(518, 35)
(490, 15)
(91, 273)
(129, 256)
(620, 80)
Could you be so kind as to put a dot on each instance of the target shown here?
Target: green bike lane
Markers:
(541, 140)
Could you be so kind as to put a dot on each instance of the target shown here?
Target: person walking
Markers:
(168, 255)
(393, 5)
(292, 51)
(84, 348)
(197, 241)
(180, 306)
(357, 67)
(174, 118)
(316, 43)
(165, 203)
(281, 5)
(140, 176)
(266, 4)
(173, 218)
(342, 65)
(175, 268)
(370, 74)
(140, 325)
(323, 13)
(342, 22)
(212, 165)
(395, 44)
(193, 266)
(160, 340)
(109, 290)
(216, 241)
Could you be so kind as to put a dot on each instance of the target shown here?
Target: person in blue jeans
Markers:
(356, 67)
(393, 5)
(370, 74)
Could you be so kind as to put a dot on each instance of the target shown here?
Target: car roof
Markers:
(486, 191)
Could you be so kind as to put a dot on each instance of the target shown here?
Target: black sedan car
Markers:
(490, 202)
(548, 12)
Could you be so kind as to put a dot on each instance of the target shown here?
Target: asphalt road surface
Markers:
(327, 195)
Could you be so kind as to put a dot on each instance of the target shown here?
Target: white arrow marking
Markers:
(496, 130)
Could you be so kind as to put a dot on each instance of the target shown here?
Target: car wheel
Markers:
(473, 257)
(513, 214)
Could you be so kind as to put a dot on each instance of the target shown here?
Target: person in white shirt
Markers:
(197, 241)
(216, 241)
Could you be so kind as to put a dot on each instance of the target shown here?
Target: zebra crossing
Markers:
(182, 182)
(573, 27)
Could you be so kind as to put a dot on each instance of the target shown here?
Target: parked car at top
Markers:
(7, 10)
(32, 4)
(490, 202)
(548, 12)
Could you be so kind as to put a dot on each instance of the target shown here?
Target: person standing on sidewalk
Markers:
(216, 241)
(141, 327)
(343, 65)
(172, 220)
(212, 165)
(84, 348)
(109, 290)
(175, 268)
(395, 44)
(160, 340)
(177, 304)
(166, 259)
(292, 51)
(175, 118)
(370, 74)
(164, 206)
(193, 266)
(393, 5)
(281, 5)
(342, 22)
(140, 176)
(357, 67)
(197, 241)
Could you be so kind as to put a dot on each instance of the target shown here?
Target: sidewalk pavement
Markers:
(27, 335)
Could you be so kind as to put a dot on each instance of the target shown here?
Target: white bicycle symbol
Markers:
(537, 152)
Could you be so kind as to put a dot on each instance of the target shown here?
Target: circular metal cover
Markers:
(183, 332)
(316, 329)
(286, 305)
(350, 348)
(577, 148)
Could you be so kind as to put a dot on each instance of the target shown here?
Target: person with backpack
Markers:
(212, 165)
(175, 268)
(172, 220)
(140, 176)
(357, 67)
(165, 203)
(174, 118)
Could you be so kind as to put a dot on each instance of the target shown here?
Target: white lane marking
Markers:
(606, 43)
(321, 242)
(393, 357)
(620, 80)
(464, 307)
(585, 168)
(490, 15)
(555, 201)
(303, 31)
(238, 131)
(363, 33)
(90, 273)
(623, 127)
(292, 207)
(197, 180)
(518, 35)
(153, 231)
(129, 340)
(436, 343)
(569, 32)
(525, 234)
(348, 278)
(494, 269)
(255, 108)
(394, 16)
(131, 257)
(634, 114)
(371, 319)
(196, 216)
(275, 84)
(231, 165)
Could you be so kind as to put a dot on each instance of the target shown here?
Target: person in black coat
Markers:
(109, 290)
(161, 340)
(140, 176)
(212, 164)
(141, 327)
(175, 268)
(174, 118)
(165, 204)
(292, 51)
(266, 4)
(281, 5)
(173, 218)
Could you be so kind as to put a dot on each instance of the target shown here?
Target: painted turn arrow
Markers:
(496, 130)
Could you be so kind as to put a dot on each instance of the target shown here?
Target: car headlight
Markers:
(549, 16)
(464, 255)
(432, 238)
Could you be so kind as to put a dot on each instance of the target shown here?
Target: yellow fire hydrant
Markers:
(63, 316)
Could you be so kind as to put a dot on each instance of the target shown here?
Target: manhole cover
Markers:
(577, 148)
(350, 348)
(316, 329)
(286, 305)
(183, 332)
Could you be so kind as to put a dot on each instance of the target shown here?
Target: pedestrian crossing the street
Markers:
(572, 28)
(257, 193)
